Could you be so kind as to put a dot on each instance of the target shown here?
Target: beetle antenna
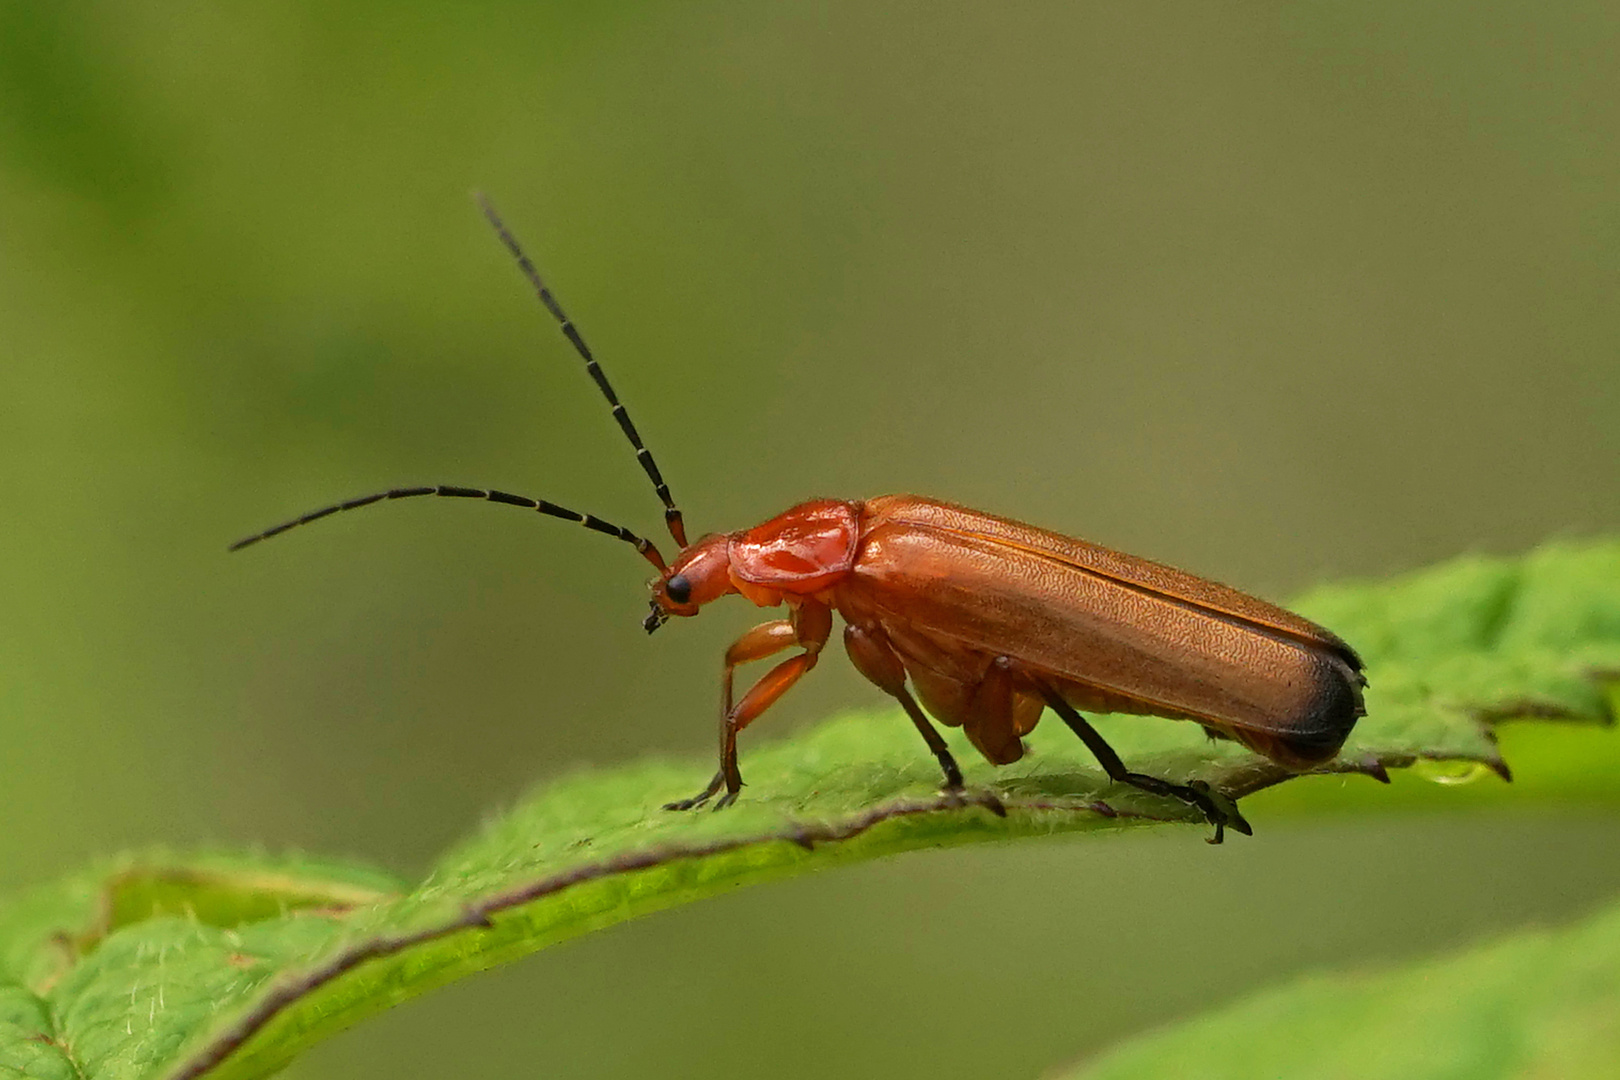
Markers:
(672, 516)
(590, 521)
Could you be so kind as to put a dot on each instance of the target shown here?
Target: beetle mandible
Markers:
(990, 621)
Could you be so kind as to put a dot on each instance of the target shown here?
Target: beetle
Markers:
(990, 621)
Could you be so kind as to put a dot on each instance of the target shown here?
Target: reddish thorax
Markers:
(800, 553)
(804, 551)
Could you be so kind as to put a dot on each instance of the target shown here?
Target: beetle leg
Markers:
(1219, 811)
(764, 640)
(701, 797)
(874, 658)
(989, 720)
(809, 627)
(771, 686)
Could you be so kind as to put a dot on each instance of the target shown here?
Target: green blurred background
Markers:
(1274, 292)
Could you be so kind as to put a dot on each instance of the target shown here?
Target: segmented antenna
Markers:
(590, 521)
(672, 516)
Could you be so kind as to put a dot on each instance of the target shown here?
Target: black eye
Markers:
(679, 589)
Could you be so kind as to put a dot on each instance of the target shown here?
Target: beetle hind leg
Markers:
(1219, 810)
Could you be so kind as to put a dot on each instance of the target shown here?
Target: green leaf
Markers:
(161, 966)
(1537, 1004)
(1493, 640)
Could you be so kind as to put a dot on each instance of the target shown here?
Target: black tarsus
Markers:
(931, 736)
(701, 797)
(672, 516)
(1220, 811)
(451, 491)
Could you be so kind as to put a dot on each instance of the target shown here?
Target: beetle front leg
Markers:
(761, 696)
(766, 639)
(1219, 810)
(810, 626)
(701, 797)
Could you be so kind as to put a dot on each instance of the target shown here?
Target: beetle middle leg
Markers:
(1219, 811)
(875, 658)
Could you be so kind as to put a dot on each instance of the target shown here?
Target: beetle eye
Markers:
(678, 588)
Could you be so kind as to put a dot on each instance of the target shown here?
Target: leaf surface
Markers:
(227, 966)
(1544, 1004)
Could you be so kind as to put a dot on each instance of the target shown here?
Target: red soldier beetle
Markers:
(991, 621)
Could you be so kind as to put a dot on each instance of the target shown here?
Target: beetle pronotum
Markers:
(990, 621)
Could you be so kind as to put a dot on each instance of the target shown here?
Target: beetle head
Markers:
(700, 574)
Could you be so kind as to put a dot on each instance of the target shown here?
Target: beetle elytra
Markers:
(981, 622)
